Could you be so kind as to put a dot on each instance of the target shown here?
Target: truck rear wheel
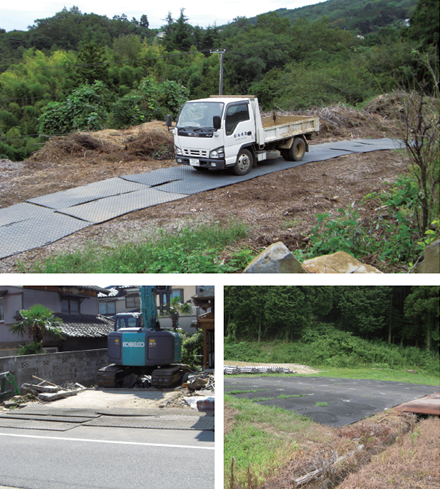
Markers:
(244, 163)
(296, 151)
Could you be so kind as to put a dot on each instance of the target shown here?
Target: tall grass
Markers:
(194, 249)
(334, 349)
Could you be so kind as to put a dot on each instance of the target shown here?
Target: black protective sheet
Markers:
(23, 212)
(111, 207)
(33, 233)
(86, 193)
(347, 400)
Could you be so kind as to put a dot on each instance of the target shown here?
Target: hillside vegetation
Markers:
(387, 327)
(78, 71)
(365, 16)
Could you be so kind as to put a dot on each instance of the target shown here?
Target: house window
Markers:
(70, 306)
(107, 308)
(2, 314)
(132, 301)
(175, 293)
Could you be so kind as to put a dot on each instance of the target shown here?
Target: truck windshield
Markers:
(199, 114)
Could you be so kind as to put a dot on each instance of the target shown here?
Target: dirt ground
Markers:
(118, 399)
(280, 206)
(299, 369)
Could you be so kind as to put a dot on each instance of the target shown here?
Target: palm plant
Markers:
(36, 321)
(176, 308)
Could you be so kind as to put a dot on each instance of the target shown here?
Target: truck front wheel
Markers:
(244, 163)
(296, 151)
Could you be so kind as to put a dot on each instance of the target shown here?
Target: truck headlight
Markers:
(217, 152)
(177, 151)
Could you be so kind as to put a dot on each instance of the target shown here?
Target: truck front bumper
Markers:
(207, 163)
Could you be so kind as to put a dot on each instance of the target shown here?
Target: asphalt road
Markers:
(329, 401)
(106, 458)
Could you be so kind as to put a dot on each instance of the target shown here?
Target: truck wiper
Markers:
(203, 129)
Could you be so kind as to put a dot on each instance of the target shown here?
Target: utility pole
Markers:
(221, 52)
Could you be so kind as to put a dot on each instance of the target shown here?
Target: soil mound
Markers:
(149, 140)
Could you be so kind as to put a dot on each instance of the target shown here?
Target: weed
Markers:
(321, 404)
(393, 234)
(254, 439)
(191, 250)
(245, 391)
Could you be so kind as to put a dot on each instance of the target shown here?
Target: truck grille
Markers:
(195, 153)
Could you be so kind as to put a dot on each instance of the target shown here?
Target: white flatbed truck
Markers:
(223, 132)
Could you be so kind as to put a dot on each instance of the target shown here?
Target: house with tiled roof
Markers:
(83, 327)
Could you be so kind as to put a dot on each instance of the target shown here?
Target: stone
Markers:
(339, 262)
(276, 258)
(431, 260)
(9, 404)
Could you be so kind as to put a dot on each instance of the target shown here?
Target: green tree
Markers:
(178, 33)
(127, 48)
(90, 64)
(424, 25)
(37, 321)
(422, 305)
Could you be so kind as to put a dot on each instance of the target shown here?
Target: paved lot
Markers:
(346, 400)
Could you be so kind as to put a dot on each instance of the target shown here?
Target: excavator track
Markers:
(111, 375)
(166, 377)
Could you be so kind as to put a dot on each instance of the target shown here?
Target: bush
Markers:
(393, 236)
(325, 345)
(192, 348)
(32, 348)
(85, 109)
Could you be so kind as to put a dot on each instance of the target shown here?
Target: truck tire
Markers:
(296, 151)
(244, 163)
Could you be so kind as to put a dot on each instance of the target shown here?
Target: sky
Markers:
(21, 14)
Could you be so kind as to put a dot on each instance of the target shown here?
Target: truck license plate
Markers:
(194, 162)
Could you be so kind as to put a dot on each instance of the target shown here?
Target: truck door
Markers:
(239, 129)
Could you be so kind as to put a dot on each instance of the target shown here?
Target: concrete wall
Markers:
(69, 366)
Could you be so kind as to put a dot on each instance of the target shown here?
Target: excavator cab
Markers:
(129, 320)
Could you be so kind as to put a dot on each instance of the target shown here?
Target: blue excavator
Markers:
(138, 346)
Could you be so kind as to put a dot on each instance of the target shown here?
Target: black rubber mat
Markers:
(33, 233)
(30, 424)
(23, 212)
(43, 417)
(39, 410)
(155, 423)
(330, 401)
(47, 417)
(111, 207)
(87, 193)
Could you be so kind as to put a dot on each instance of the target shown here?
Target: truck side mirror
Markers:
(169, 121)
(216, 122)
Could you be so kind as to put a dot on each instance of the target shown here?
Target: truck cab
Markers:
(210, 133)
